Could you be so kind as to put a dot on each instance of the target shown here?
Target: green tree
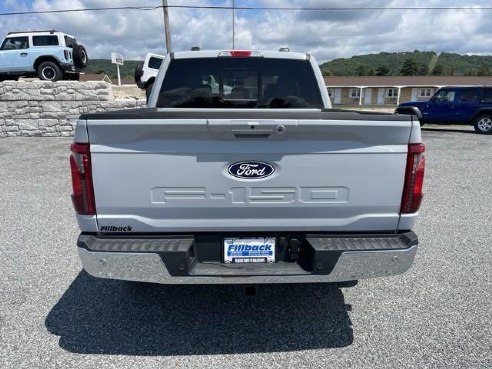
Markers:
(382, 70)
(423, 70)
(438, 70)
(409, 68)
(364, 70)
(484, 70)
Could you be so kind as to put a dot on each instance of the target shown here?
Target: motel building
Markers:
(392, 90)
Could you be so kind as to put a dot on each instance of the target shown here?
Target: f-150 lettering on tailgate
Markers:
(250, 195)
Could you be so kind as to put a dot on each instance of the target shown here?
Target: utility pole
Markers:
(166, 26)
(233, 22)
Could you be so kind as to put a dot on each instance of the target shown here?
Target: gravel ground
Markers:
(128, 92)
(437, 315)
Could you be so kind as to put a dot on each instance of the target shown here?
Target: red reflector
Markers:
(416, 148)
(83, 192)
(240, 53)
(414, 179)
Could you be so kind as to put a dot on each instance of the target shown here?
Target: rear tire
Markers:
(139, 73)
(483, 124)
(148, 89)
(80, 57)
(49, 71)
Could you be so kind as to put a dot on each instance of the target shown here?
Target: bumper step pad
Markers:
(177, 252)
(125, 244)
(363, 243)
(324, 251)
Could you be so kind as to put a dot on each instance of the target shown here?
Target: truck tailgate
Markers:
(170, 172)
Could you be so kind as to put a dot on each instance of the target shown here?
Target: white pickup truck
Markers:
(256, 180)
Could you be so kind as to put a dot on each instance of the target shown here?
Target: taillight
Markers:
(67, 54)
(83, 192)
(414, 179)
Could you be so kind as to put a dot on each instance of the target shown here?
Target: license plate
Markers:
(249, 250)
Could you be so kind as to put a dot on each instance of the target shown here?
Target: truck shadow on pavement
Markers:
(96, 316)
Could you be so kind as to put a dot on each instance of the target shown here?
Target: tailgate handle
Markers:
(252, 132)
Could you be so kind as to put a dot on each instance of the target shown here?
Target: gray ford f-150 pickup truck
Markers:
(239, 171)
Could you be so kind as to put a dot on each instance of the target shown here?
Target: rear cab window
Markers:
(45, 40)
(253, 82)
(468, 95)
(155, 63)
(70, 41)
(487, 95)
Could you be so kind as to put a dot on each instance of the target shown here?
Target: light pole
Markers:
(233, 22)
(166, 26)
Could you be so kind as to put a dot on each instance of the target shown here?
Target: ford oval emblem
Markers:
(251, 170)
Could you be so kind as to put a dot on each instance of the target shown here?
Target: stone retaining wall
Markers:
(51, 109)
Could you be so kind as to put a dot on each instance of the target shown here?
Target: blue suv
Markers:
(50, 55)
(456, 105)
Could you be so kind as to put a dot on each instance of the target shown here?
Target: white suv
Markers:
(50, 55)
(146, 71)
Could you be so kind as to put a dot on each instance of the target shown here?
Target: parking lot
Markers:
(54, 315)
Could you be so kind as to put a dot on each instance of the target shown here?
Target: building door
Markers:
(414, 94)
(338, 95)
(381, 92)
(368, 96)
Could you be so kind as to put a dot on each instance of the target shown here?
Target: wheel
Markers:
(483, 124)
(138, 73)
(49, 71)
(148, 89)
(80, 58)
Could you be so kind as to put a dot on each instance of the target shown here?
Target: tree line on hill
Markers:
(104, 66)
(416, 63)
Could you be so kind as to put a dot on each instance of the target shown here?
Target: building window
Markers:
(355, 93)
(331, 92)
(391, 92)
(426, 92)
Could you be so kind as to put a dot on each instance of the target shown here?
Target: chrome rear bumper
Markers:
(150, 267)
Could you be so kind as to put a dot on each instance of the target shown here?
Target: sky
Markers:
(325, 34)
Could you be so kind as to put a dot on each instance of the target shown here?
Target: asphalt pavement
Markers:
(437, 315)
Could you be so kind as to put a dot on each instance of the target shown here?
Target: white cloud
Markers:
(325, 34)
